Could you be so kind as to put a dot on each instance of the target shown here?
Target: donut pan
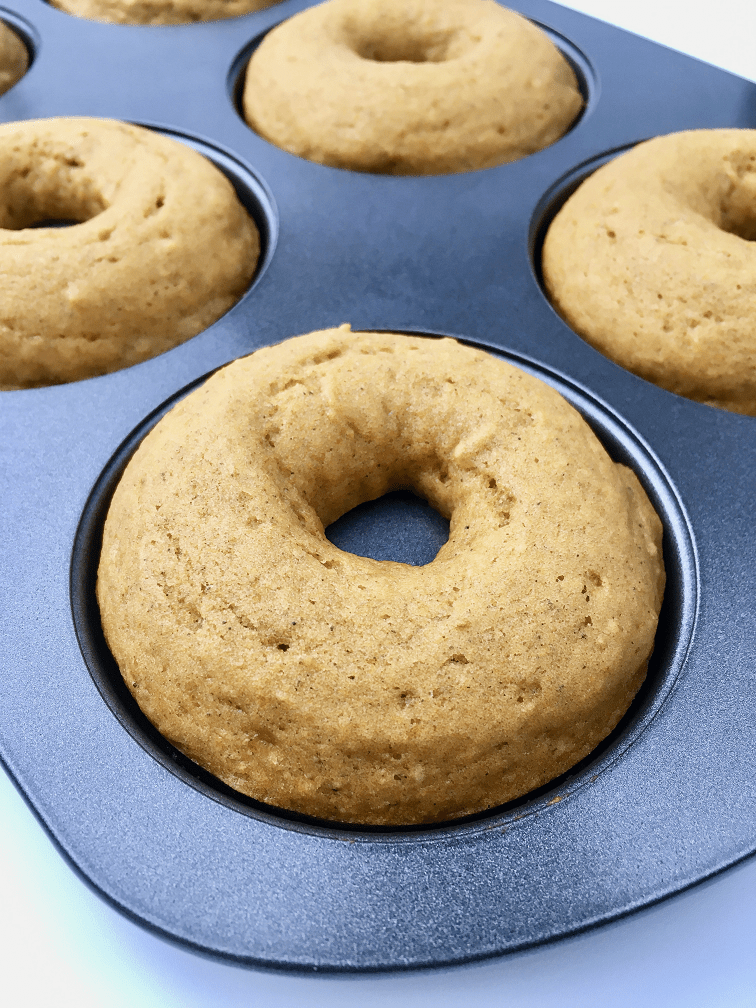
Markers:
(667, 801)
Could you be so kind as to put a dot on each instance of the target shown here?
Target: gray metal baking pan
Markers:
(665, 802)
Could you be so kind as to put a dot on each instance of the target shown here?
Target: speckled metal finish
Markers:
(667, 801)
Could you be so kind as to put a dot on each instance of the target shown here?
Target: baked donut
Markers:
(653, 262)
(410, 87)
(160, 12)
(163, 249)
(361, 690)
(14, 58)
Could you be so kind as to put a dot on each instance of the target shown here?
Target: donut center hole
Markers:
(740, 221)
(398, 526)
(54, 222)
(737, 211)
(53, 193)
(406, 47)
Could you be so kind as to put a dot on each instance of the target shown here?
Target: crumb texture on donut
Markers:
(162, 250)
(160, 12)
(410, 87)
(371, 691)
(14, 58)
(653, 262)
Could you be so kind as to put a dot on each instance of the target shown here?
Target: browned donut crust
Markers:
(368, 691)
(14, 58)
(163, 250)
(410, 87)
(653, 262)
(160, 12)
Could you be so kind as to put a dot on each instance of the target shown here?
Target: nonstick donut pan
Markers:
(667, 800)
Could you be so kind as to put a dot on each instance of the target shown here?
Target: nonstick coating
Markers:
(667, 801)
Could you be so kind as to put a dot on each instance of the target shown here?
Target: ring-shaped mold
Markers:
(71, 195)
(675, 629)
(584, 71)
(643, 303)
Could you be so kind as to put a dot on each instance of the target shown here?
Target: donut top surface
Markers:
(160, 12)
(371, 691)
(159, 248)
(653, 262)
(14, 58)
(410, 87)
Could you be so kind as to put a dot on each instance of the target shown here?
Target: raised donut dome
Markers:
(410, 87)
(369, 691)
(652, 261)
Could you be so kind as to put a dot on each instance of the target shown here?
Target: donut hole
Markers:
(410, 46)
(738, 206)
(399, 526)
(741, 226)
(55, 222)
(54, 192)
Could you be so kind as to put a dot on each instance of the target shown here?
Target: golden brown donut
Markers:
(410, 87)
(163, 250)
(160, 12)
(367, 691)
(14, 58)
(653, 262)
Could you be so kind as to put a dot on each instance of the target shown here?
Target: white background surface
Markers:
(60, 946)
